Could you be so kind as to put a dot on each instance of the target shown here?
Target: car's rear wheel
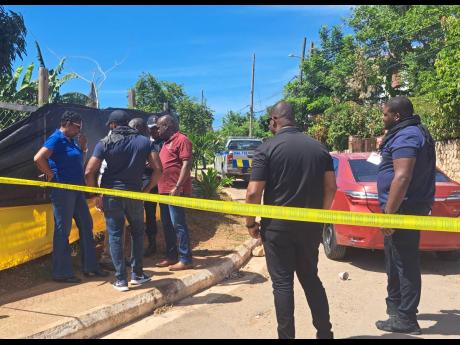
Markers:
(451, 255)
(331, 248)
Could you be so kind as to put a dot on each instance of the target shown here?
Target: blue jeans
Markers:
(115, 210)
(176, 233)
(68, 204)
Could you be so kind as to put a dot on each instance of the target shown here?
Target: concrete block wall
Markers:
(448, 158)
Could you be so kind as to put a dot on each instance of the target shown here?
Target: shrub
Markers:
(209, 183)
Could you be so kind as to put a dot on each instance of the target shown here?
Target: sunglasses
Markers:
(269, 119)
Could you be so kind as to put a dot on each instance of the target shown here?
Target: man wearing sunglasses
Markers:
(292, 169)
(61, 159)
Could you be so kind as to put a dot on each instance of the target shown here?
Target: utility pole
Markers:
(202, 98)
(251, 109)
(303, 58)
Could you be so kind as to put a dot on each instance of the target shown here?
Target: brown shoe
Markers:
(165, 263)
(180, 266)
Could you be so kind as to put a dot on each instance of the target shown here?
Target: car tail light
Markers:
(361, 198)
(230, 157)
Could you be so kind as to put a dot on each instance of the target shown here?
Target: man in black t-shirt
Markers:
(292, 169)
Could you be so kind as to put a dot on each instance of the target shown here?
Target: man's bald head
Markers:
(167, 126)
(282, 115)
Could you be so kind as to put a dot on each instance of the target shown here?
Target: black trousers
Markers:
(402, 265)
(292, 251)
(150, 215)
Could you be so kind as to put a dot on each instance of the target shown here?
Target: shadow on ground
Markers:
(373, 260)
(447, 322)
(385, 336)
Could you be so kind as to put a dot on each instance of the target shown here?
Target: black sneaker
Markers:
(398, 325)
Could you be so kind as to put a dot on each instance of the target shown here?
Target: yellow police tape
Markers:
(289, 213)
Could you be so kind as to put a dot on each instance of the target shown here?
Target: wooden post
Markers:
(43, 91)
(131, 99)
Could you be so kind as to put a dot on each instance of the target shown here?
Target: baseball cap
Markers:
(120, 117)
(152, 121)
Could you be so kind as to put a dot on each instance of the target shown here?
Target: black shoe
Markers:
(98, 273)
(71, 280)
(324, 335)
(397, 325)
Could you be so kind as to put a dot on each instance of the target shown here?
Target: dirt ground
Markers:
(210, 234)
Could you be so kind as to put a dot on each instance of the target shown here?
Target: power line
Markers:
(428, 52)
(238, 111)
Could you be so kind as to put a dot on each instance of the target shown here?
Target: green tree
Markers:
(402, 40)
(443, 87)
(12, 39)
(194, 117)
(235, 124)
(152, 93)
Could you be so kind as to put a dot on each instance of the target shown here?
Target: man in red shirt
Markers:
(176, 159)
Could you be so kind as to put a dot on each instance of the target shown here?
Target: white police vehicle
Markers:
(236, 159)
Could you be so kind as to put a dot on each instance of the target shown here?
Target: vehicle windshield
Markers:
(363, 171)
(244, 144)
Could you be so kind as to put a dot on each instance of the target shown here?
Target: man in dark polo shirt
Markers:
(176, 159)
(125, 150)
(406, 185)
(292, 169)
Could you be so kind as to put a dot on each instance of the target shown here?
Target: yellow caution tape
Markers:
(446, 224)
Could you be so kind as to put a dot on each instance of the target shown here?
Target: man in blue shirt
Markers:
(61, 160)
(406, 185)
(125, 150)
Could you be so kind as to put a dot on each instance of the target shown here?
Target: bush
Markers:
(209, 184)
(344, 119)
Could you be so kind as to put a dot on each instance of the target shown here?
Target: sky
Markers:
(202, 47)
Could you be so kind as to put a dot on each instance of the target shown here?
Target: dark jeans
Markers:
(176, 233)
(115, 210)
(150, 215)
(68, 204)
(402, 265)
(289, 251)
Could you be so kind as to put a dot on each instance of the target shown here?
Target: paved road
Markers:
(243, 307)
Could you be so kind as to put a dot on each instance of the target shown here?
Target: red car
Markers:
(357, 192)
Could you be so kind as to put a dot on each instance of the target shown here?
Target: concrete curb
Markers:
(102, 319)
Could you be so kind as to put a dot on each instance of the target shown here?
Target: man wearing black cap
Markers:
(125, 151)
